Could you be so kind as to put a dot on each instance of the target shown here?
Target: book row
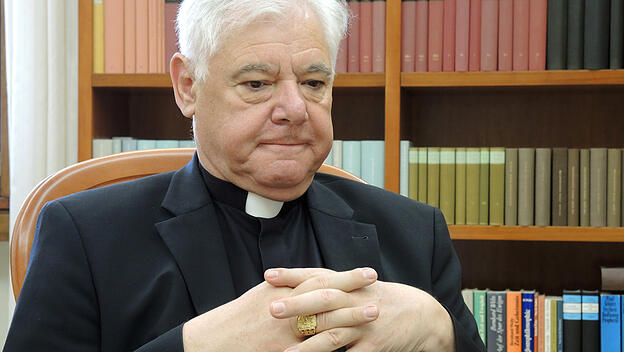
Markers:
(107, 146)
(515, 321)
(133, 36)
(506, 35)
(364, 159)
(517, 186)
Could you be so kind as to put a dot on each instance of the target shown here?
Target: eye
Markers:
(255, 84)
(314, 83)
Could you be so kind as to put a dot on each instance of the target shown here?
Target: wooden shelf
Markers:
(536, 233)
(162, 80)
(512, 79)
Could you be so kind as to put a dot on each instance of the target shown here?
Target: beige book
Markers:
(559, 187)
(511, 186)
(484, 186)
(413, 173)
(422, 175)
(614, 184)
(460, 186)
(433, 176)
(526, 186)
(598, 187)
(573, 186)
(473, 159)
(542, 186)
(447, 184)
(497, 186)
(584, 188)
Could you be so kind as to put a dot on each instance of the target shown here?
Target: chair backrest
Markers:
(90, 174)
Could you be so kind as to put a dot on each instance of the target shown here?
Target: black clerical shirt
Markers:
(256, 244)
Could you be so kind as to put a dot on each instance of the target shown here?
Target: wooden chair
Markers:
(90, 174)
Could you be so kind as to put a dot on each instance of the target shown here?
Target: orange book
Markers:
(540, 324)
(353, 41)
(436, 29)
(342, 59)
(448, 41)
(521, 35)
(113, 36)
(379, 36)
(171, 41)
(489, 35)
(366, 36)
(422, 30)
(142, 37)
(152, 25)
(408, 35)
(130, 36)
(474, 60)
(537, 34)
(505, 35)
(514, 321)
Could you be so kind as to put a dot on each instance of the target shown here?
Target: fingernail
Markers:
(371, 311)
(271, 274)
(369, 273)
(278, 308)
(292, 349)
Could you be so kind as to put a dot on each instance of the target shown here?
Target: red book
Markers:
(171, 40)
(408, 33)
(366, 36)
(436, 28)
(353, 41)
(474, 59)
(505, 35)
(422, 35)
(161, 36)
(489, 35)
(462, 35)
(521, 35)
(113, 36)
(142, 37)
(129, 36)
(379, 36)
(342, 59)
(152, 44)
(537, 35)
(448, 41)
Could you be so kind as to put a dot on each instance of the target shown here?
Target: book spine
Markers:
(167, 143)
(342, 57)
(353, 41)
(460, 186)
(366, 36)
(435, 34)
(505, 35)
(129, 36)
(560, 325)
(142, 37)
(497, 186)
(610, 322)
(521, 35)
(489, 35)
(404, 168)
(128, 144)
(542, 186)
(546, 323)
(448, 41)
(152, 45)
(559, 206)
(422, 36)
(573, 186)
(473, 160)
(514, 321)
(480, 313)
(598, 187)
(143, 144)
(474, 59)
(102, 147)
(511, 186)
(526, 186)
(413, 173)
(584, 190)
(596, 44)
(351, 157)
(422, 175)
(484, 186)
(590, 320)
(539, 323)
(433, 176)
(614, 184)
(408, 35)
(98, 36)
(557, 35)
(576, 31)
(496, 317)
(337, 153)
(572, 321)
(468, 296)
(447, 184)
(528, 323)
(379, 36)
(537, 35)
(462, 35)
(616, 37)
(161, 37)
(171, 42)
(113, 36)
(373, 162)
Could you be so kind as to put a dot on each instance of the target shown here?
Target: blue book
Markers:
(351, 157)
(590, 321)
(528, 323)
(559, 326)
(572, 320)
(610, 322)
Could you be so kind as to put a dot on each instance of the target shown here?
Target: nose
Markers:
(290, 107)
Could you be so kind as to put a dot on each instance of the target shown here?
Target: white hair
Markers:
(203, 24)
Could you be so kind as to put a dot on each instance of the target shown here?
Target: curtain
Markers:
(42, 87)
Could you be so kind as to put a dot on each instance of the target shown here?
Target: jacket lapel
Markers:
(345, 244)
(194, 239)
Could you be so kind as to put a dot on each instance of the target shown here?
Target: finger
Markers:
(346, 281)
(280, 277)
(345, 317)
(317, 301)
(329, 340)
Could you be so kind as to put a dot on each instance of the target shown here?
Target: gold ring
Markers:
(306, 324)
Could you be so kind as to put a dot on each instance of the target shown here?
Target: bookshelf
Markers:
(513, 109)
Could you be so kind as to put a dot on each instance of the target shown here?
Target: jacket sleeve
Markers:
(446, 277)
(58, 308)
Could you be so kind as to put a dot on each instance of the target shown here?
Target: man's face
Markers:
(263, 116)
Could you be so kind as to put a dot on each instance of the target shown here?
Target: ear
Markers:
(182, 80)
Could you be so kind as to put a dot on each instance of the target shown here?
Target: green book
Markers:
(484, 186)
(422, 175)
(480, 310)
(447, 184)
(413, 173)
(433, 176)
(460, 186)
(497, 186)
(473, 158)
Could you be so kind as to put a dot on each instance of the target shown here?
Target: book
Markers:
(433, 176)
(526, 186)
(484, 186)
(560, 325)
(342, 58)
(460, 186)
(187, 144)
(590, 321)
(404, 167)
(379, 35)
(511, 186)
(612, 278)
(329, 159)
(422, 174)
(496, 320)
(129, 15)
(573, 186)
(497, 186)
(557, 35)
(98, 36)
(572, 320)
(514, 321)
(448, 36)
(143, 144)
(153, 36)
(546, 323)
(538, 330)
(480, 313)
(616, 35)
(462, 35)
(610, 322)
(505, 35)
(489, 35)
(528, 323)
(537, 34)
(128, 144)
(353, 41)
(447, 184)
(413, 173)
(576, 34)
(584, 180)
(521, 35)
(614, 187)
(468, 296)
(102, 147)
(598, 187)
(336, 152)
(473, 165)
(422, 36)
(142, 37)
(373, 162)
(366, 36)
(113, 36)
(435, 35)
(167, 143)
(408, 35)
(351, 157)
(116, 145)
(542, 186)
(559, 206)
(474, 51)
(171, 40)
(596, 43)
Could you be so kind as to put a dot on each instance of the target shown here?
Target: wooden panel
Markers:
(4, 225)
(110, 113)
(85, 67)
(358, 113)
(393, 94)
(155, 115)
(535, 233)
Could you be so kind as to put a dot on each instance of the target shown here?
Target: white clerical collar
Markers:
(261, 207)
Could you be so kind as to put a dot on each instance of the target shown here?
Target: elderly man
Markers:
(246, 248)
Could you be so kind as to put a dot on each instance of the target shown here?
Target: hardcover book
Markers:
(480, 313)
(610, 322)
(353, 41)
(366, 36)
(616, 37)
(590, 320)
(422, 36)
(576, 34)
(584, 188)
(142, 37)
(542, 186)
(462, 35)
(351, 157)
(448, 41)
(408, 35)
(573, 186)
(436, 29)
(379, 35)
(557, 35)
(422, 175)
(473, 159)
(514, 321)
(489, 35)
(537, 35)
(373, 162)
(559, 213)
(598, 187)
(511, 186)
(447, 184)
(171, 40)
(98, 36)
(528, 323)
(496, 320)
(521, 35)
(596, 43)
(484, 186)
(474, 59)
(572, 320)
(413, 173)
(460, 186)
(336, 152)
(468, 296)
(433, 176)
(404, 167)
(614, 184)
(505, 35)
(129, 36)
(497, 186)
(113, 36)
(526, 186)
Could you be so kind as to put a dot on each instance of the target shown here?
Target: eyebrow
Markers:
(253, 68)
(320, 68)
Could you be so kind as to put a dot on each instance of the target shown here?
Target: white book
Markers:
(102, 147)
(351, 157)
(117, 144)
(336, 152)
(187, 144)
(143, 144)
(128, 144)
(373, 168)
(167, 143)
(329, 159)
(468, 294)
(404, 168)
